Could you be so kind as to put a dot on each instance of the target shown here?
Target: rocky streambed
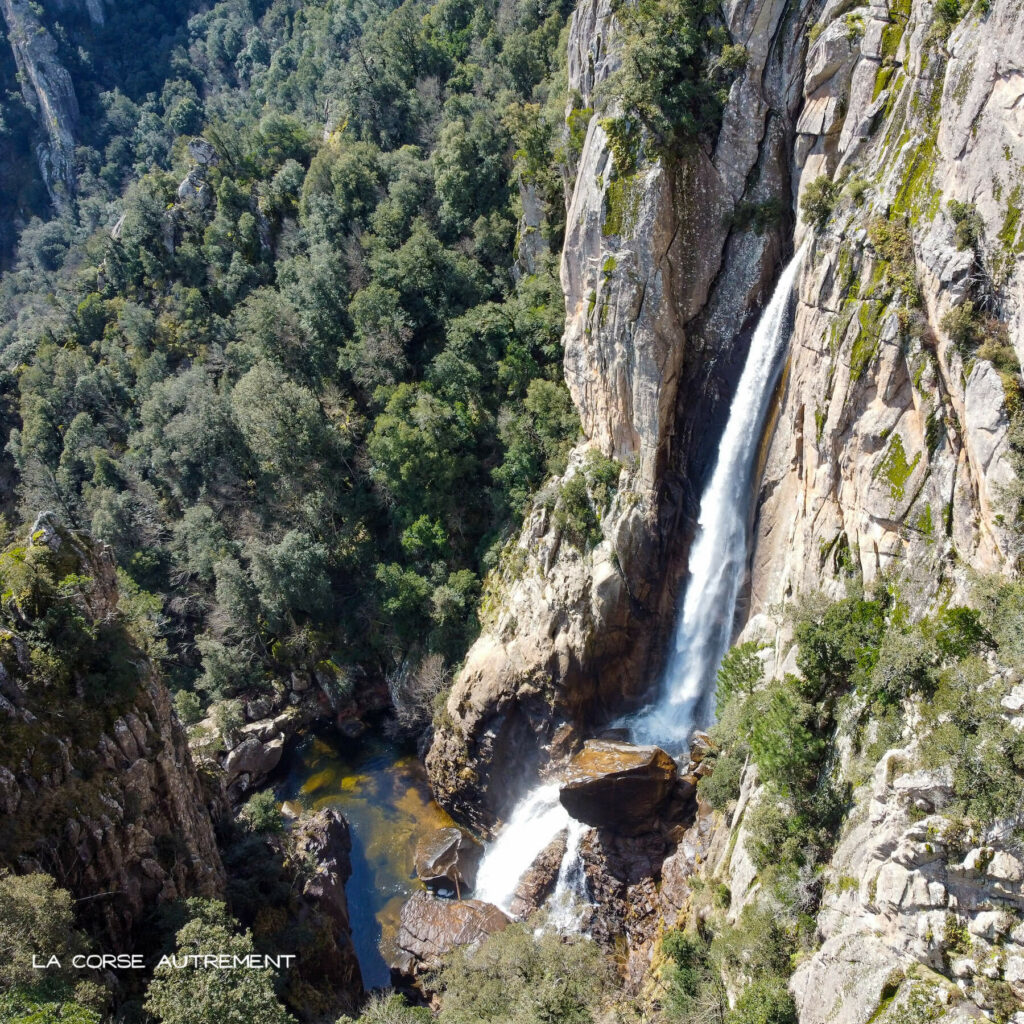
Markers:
(413, 894)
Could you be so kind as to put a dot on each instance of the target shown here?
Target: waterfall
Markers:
(534, 823)
(718, 558)
(570, 895)
(718, 562)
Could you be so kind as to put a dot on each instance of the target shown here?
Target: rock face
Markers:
(323, 838)
(888, 446)
(919, 882)
(103, 796)
(539, 881)
(431, 927)
(447, 858)
(48, 90)
(618, 786)
(891, 447)
(661, 293)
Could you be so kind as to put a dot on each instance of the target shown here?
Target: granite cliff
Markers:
(97, 784)
(890, 455)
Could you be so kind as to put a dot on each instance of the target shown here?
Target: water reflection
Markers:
(383, 792)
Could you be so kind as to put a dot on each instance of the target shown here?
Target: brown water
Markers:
(383, 793)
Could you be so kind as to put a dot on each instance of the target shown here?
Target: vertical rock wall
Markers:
(891, 445)
(662, 290)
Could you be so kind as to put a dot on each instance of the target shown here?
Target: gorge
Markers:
(517, 505)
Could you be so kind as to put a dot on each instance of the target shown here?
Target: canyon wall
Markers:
(662, 289)
(889, 452)
(48, 91)
(97, 784)
(891, 445)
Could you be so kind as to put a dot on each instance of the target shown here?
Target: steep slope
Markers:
(97, 785)
(890, 461)
(892, 444)
(663, 273)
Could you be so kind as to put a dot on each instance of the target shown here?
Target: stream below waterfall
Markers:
(384, 795)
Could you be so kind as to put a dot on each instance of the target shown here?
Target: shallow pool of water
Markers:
(383, 793)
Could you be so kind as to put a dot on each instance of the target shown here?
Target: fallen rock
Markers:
(431, 927)
(539, 881)
(254, 757)
(618, 786)
(447, 858)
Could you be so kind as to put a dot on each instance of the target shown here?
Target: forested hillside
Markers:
(516, 501)
(291, 374)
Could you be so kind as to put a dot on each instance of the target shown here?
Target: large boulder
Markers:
(447, 858)
(432, 927)
(253, 758)
(539, 881)
(618, 786)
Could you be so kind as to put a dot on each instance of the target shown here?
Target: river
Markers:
(382, 790)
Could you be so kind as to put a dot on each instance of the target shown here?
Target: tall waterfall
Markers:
(718, 562)
(718, 558)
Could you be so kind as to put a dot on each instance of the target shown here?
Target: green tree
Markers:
(515, 976)
(203, 995)
(36, 919)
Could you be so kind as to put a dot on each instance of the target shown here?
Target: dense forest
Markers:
(282, 375)
(277, 353)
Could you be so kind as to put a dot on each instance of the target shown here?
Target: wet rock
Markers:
(431, 927)
(447, 858)
(538, 883)
(618, 786)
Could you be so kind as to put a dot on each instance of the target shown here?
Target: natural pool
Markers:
(382, 791)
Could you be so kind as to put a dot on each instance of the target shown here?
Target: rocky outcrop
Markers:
(432, 927)
(618, 786)
(540, 879)
(912, 898)
(98, 786)
(891, 442)
(49, 92)
(660, 290)
(322, 841)
(447, 858)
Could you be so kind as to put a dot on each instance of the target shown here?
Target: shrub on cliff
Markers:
(764, 1001)
(819, 200)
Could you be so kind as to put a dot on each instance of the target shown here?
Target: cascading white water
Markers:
(704, 630)
(570, 895)
(535, 821)
(718, 559)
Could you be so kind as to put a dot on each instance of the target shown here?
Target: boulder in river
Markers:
(447, 858)
(540, 879)
(618, 786)
(431, 927)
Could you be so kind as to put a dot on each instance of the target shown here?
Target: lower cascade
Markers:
(534, 823)
(703, 632)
